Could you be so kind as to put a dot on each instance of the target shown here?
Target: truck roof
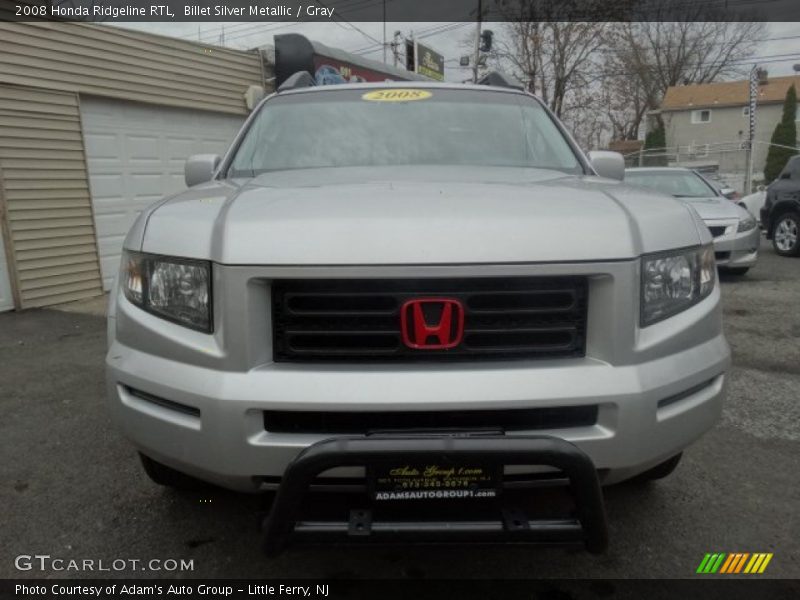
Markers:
(402, 84)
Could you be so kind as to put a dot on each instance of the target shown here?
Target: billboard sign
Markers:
(294, 53)
(328, 71)
(428, 62)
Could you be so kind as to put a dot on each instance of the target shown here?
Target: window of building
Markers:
(701, 116)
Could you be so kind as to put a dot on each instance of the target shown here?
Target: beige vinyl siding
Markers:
(46, 210)
(46, 194)
(118, 63)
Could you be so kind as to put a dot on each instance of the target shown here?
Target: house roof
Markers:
(726, 93)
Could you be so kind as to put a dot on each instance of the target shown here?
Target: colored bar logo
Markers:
(734, 563)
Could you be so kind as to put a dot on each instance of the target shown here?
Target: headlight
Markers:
(746, 224)
(674, 281)
(176, 289)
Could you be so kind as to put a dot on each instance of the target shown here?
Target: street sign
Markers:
(428, 62)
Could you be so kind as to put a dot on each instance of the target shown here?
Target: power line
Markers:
(256, 28)
(355, 5)
(418, 34)
(720, 43)
(215, 32)
(421, 34)
(260, 31)
(437, 29)
(767, 59)
(244, 30)
(348, 4)
(761, 60)
(358, 29)
(250, 29)
(454, 26)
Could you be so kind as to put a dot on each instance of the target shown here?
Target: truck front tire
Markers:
(786, 234)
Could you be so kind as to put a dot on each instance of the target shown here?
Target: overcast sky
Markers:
(446, 38)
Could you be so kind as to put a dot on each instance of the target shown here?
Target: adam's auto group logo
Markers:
(734, 562)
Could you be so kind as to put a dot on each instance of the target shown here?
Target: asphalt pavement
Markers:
(73, 488)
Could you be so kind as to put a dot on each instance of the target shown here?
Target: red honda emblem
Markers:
(444, 323)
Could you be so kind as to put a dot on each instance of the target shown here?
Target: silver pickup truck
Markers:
(421, 299)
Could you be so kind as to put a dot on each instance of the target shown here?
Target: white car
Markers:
(754, 203)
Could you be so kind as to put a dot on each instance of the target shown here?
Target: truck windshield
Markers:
(391, 126)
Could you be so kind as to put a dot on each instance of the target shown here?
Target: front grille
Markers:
(419, 421)
(717, 230)
(358, 319)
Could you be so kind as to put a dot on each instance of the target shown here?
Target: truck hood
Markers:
(414, 215)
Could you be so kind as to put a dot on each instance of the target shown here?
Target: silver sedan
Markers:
(734, 229)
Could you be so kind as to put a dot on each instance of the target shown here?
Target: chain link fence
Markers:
(724, 162)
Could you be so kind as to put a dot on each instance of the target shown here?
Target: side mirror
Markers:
(200, 168)
(608, 164)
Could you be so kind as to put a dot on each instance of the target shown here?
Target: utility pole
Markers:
(748, 176)
(477, 43)
(644, 141)
(384, 31)
(396, 46)
(410, 55)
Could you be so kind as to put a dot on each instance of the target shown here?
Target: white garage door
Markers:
(6, 301)
(135, 153)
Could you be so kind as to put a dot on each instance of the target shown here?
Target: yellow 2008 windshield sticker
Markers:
(396, 95)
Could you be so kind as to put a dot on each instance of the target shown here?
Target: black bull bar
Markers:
(588, 527)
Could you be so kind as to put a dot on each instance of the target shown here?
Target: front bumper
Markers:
(509, 523)
(734, 249)
(196, 402)
(646, 413)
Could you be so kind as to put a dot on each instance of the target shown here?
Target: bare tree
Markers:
(553, 59)
(556, 48)
(647, 57)
(583, 58)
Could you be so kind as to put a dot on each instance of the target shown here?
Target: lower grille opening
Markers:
(722, 255)
(717, 231)
(365, 422)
